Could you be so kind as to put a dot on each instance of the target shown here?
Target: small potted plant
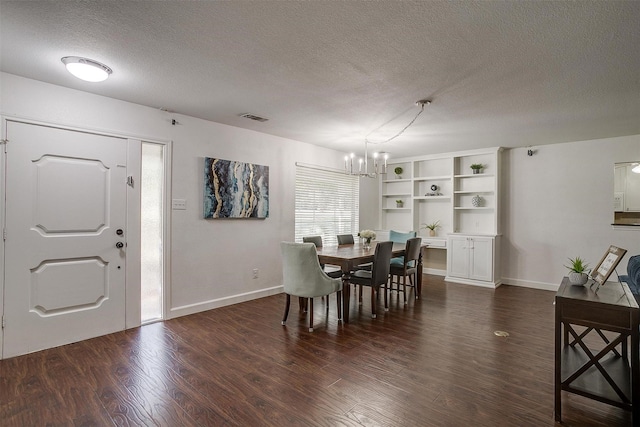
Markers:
(399, 203)
(431, 227)
(578, 273)
(477, 168)
(398, 171)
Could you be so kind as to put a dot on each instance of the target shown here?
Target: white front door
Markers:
(64, 267)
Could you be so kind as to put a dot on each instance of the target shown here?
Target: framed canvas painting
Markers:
(235, 189)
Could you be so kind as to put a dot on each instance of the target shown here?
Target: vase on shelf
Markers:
(432, 233)
(477, 201)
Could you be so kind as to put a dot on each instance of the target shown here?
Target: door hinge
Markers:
(3, 322)
(4, 234)
(130, 181)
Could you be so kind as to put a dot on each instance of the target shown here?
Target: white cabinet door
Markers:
(458, 256)
(480, 258)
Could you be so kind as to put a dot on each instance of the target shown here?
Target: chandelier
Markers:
(363, 163)
(379, 160)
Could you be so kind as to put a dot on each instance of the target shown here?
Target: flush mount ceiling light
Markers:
(86, 69)
(636, 168)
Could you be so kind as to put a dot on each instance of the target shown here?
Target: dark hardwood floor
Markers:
(435, 362)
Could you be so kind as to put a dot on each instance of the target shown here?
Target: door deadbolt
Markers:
(119, 245)
(119, 232)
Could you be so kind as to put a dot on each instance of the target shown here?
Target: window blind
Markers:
(327, 204)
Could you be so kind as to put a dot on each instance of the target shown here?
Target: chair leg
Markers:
(310, 314)
(404, 288)
(360, 294)
(386, 297)
(339, 299)
(286, 309)
(373, 303)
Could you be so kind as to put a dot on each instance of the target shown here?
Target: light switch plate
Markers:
(179, 204)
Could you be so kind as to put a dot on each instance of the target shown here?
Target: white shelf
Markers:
(396, 180)
(396, 209)
(474, 192)
(486, 208)
(475, 175)
(433, 178)
(397, 195)
(421, 198)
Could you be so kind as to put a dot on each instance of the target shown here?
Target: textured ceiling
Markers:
(332, 72)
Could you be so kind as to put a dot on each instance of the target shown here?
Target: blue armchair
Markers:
(632, 278)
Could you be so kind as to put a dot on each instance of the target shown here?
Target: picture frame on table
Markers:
(607, 265)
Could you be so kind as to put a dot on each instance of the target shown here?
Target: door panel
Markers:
(65, 199)
(481, 259)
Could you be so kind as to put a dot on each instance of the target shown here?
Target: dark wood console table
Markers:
(607, 374)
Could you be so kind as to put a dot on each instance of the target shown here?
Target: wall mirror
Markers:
(626, 193)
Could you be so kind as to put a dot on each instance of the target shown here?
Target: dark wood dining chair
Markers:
(377, 276)
(345, 239)
(303, 277)
(408, 268)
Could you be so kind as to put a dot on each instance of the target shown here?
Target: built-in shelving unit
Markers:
(444, 188)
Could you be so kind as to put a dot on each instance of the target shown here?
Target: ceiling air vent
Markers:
(253, 117)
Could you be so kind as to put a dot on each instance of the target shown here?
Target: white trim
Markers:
(531, 284)
(3, 179)
(490, 285)
(222, 302)
(97, 131)
(434, 271)
(625, 227)
(132, 237)
(166, 238)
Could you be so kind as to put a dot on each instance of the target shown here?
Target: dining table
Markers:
(348, 257)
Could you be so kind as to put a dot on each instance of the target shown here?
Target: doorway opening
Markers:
(152, 236)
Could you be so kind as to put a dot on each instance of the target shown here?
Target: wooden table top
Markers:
(611, 293)
(354, 254)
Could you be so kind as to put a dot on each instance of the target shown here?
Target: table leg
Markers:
(557, 406)
(346, 296)
(419, 278)
(635, 369)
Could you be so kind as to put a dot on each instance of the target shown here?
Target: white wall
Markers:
(559, 204)
(211, 260)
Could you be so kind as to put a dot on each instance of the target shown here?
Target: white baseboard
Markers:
(434, 271)
(490, 285)
(529, 284)
(222, 302)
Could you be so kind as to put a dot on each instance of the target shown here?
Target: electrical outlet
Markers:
(255, 273)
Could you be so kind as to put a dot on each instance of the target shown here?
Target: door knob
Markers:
(119, 245)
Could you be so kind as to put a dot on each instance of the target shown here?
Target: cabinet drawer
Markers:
(598, 316)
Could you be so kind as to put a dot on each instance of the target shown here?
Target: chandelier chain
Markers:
(399, 133)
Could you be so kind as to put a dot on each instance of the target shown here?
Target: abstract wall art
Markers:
(235, 189)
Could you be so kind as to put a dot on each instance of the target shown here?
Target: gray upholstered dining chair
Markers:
(345, 239)
(378, 276)
(303, 277)
(317, 240)
(409, 268)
